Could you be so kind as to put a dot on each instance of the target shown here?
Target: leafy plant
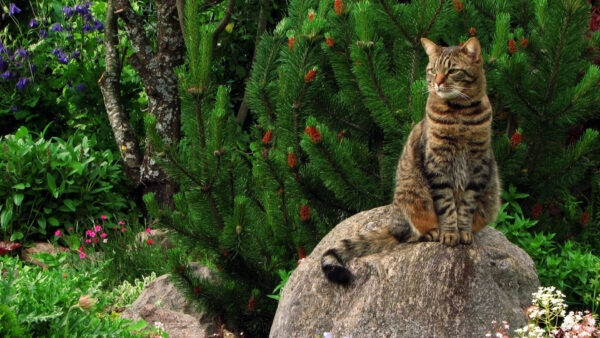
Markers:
(48, 183)
(126, 293)
(42, 298)
(284, 275)
(569, 265)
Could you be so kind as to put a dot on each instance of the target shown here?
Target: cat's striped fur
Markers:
(447, 184)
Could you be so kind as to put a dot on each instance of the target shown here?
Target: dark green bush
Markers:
(47, 183)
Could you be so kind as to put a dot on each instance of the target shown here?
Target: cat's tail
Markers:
(333, 261)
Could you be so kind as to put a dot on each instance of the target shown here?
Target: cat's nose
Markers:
(439, 79)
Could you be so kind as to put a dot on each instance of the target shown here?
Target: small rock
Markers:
(162, 302)
(46, 247)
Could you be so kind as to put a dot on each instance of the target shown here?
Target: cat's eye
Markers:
(454, 71)
(430, 71)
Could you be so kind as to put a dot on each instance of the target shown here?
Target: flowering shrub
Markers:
(548, 317)
(50, 58)
(50, 183)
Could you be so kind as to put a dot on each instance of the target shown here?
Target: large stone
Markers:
(162, 302)
(414, 290)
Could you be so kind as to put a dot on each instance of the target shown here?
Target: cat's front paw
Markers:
(450, 238)
(431, 236)
(466, 237)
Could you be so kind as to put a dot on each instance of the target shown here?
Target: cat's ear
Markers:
(472, 49)
(430, 47)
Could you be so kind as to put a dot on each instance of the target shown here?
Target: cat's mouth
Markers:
(447, 93)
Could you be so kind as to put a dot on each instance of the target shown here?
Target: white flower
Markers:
(327, 335)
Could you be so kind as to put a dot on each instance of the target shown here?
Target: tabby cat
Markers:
(447, 184)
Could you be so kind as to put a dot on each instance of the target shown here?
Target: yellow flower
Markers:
(229, 27)
(123, 148)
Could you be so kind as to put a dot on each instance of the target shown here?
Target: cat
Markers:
(447, 183)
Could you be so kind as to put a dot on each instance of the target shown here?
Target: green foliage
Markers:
(126, 293)
(49, 183)
(570, 265)
(284, 275)
(9, 326)
(47, 301)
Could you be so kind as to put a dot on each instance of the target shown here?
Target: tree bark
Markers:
(156, 67)
(111, 91)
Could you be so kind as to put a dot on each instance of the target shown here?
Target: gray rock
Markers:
(415, 290)
(162, 302)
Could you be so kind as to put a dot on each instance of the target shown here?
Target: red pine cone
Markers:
(267, 137)
(512, 46)
(595, 21)
(314, 134)
(524, 42)
(537, 210)
(311, 16)
(458, 5)
(198, 289)
(310, 76)
(252, 304)
(585, 218)
(339, 7)
(291, 41)
(305, 213)
(329, 41)
(472, 31)
(301, 253)
(515, 140)
(291, 160)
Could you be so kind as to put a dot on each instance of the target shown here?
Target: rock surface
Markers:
(39, 247)
(414, 290)
(162, 302)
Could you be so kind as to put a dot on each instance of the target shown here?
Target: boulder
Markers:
(162, 302)
(414, 290)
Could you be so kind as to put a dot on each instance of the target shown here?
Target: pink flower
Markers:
(57, 233)
(104, 217)
(116, 227)
(63, 249)
(82, 255)
(97, 228)
(103, 235)
(123, 230)
(148, 230)
(88, 240)
(81, 248)
(90, 233)
(70, 229)
(121, 223)
(150, 241)
(96, 240)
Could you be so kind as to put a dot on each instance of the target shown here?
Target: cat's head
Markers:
(455, 73)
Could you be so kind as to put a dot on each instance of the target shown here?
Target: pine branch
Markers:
(282, 187)
(376, 83)
(388, 11)
(556, 63)
(337, 168)
(431, 22)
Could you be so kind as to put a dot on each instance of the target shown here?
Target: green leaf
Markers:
(18, 198)
(137, 326)
(17, 235)
(69, 204)
(5, 218)
(53, 221)
(42, 222)
(20, 186)
(52, 184)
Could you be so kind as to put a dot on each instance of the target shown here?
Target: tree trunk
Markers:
(156, 66)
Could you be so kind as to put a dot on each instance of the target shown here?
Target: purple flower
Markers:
(33, 23)
(43, 34)
(20, 54)
(32, 68)
(13, 9)
(76, 54)
(88, 4)
(68, 12)
(56, 51)
(3, 65)
(80, 87)
(22, 83)
(62, 58)
(6, 75)
(98, 25)
(79, 9)
(69, 85)
(87, 28)
(14, 108)
(57, 27)
(69, 36)
(3, 49)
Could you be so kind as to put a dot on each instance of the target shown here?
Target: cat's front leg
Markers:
(445, 207)
(466, 209)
